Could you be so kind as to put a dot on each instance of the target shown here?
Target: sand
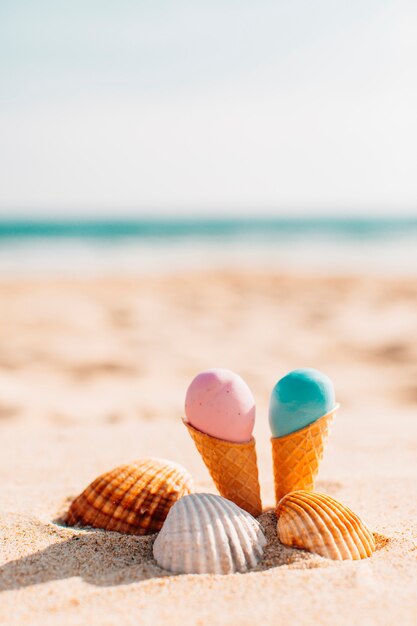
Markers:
(93, 374)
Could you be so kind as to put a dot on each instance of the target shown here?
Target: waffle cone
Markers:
(296, 457)
(233, 468)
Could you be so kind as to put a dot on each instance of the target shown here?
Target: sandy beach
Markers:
(93, 374)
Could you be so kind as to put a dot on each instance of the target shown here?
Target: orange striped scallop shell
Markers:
(318, 523)
(133, 499)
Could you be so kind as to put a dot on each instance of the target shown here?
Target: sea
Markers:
(90, 247)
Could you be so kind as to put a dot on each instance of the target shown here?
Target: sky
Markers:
(253, 106)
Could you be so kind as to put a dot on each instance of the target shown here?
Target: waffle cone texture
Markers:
(233, 468)
(296, 457)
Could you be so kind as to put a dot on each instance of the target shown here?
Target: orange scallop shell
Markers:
(318, 523)
(133, 499)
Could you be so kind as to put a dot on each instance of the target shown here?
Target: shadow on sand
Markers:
(98, 557)
(105, 558)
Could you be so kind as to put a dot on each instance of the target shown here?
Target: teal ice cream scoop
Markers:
(298, 399)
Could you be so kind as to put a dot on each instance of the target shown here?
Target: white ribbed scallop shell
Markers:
(207, 534)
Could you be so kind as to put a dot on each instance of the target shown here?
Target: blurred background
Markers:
(208, 134)
(188, 185)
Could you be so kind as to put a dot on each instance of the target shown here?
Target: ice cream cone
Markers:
(233, 468)
(296, 457)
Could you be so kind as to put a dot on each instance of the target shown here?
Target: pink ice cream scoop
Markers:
(219, 403)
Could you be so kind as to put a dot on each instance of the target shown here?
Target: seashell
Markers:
(318, 523)
(207, 534)
(133, 499)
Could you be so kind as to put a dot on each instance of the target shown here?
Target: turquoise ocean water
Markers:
(386, 245)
